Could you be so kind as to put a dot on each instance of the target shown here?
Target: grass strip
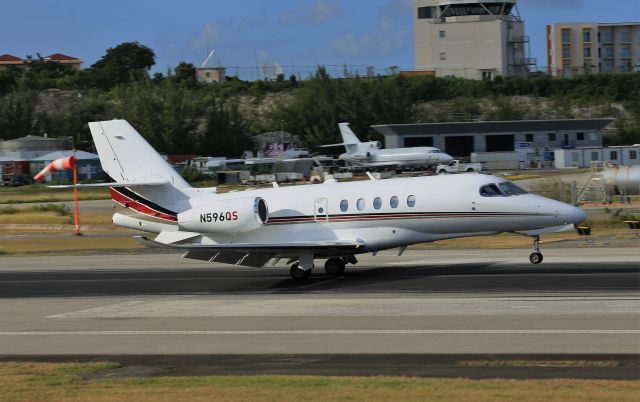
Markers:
(95, 382)
(67, 245)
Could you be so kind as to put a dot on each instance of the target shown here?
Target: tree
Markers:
(166, 113)
(123, 63)
(226, 133)
(185, 73)
(16, 114)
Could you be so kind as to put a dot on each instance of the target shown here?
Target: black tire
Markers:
(536, 258)
(334, 266)
(298, 273)
(469, 170)
(442, 171)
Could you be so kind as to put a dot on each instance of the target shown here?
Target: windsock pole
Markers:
(76, 213)
(65, 164)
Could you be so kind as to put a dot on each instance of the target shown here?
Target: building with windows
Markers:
(460, 139)
(473, 39)
(8, 61)
(593, 47)
(584, 156)
(210, 74)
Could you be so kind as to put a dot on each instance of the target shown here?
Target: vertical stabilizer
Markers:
(349, 138)
(128, 158)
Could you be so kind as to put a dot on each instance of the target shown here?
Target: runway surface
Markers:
(582, 302)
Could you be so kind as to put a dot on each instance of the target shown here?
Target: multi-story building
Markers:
(470, 38)
(593, 47)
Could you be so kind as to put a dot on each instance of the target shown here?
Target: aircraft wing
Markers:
(254, 254)
(274, 248)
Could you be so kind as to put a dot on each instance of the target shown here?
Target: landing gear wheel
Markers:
(334, 266)
(535, 258)
(299, 273)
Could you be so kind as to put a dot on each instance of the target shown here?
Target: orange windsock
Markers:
(59, 164)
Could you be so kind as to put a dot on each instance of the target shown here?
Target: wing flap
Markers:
(266, 248)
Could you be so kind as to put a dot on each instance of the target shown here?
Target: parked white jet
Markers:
(308, 222)
(370, 155)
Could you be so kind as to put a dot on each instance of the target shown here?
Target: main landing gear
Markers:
(299, 273)
(536, 257)
(333, 267)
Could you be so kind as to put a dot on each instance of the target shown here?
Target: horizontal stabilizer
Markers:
(103, 185)
(342, 144)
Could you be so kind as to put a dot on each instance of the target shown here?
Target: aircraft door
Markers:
(320, 210)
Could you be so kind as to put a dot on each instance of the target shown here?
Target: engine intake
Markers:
(234, 215)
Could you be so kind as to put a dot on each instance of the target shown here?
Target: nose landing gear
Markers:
(536, 257)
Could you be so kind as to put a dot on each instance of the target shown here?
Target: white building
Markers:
(470, 38)
(583, 157)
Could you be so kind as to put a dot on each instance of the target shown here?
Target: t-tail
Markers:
(144, 180)
(349, 138)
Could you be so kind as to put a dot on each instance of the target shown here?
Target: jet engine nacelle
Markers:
(234, 215)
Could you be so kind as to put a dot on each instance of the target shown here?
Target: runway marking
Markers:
(341, 332)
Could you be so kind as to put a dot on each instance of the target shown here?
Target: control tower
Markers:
(473, 39)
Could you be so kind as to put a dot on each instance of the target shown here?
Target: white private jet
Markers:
(370, 155)
(333, 221)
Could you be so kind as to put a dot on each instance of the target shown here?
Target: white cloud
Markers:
(393, 11)
(211, 33)
(315, 12)
(392, 35)
(368, 45)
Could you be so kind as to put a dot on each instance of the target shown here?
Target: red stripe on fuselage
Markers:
(137, 206)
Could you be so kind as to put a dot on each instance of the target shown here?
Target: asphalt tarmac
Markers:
(425, 313)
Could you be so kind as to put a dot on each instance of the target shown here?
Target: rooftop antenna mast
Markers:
(206, 61)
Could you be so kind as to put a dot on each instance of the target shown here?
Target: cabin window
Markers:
(509, 188)
(411, 201)
(377, 203)
(344, 205)
(360, 204)
(394, 202)
(490, 190)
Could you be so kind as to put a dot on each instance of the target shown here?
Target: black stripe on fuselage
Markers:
(139, 199)
(394, 215)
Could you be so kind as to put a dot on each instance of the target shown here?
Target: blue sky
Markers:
(250, 32)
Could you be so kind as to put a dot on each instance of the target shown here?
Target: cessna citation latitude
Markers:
(332, 221)
(369, 155)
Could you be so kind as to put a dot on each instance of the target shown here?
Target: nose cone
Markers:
(572, 214)
(445, 158)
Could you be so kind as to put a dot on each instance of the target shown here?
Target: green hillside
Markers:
(179, 116)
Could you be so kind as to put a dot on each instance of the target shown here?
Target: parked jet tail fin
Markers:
(348, 136)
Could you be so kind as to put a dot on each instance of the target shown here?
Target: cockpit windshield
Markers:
(435, 151)
(490, 190)
(511, 189)
(505, 189)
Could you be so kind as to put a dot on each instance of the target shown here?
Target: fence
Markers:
(306, 72)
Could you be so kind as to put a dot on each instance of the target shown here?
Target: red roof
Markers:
(8, 57)
(181, 158)
(60, 56)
